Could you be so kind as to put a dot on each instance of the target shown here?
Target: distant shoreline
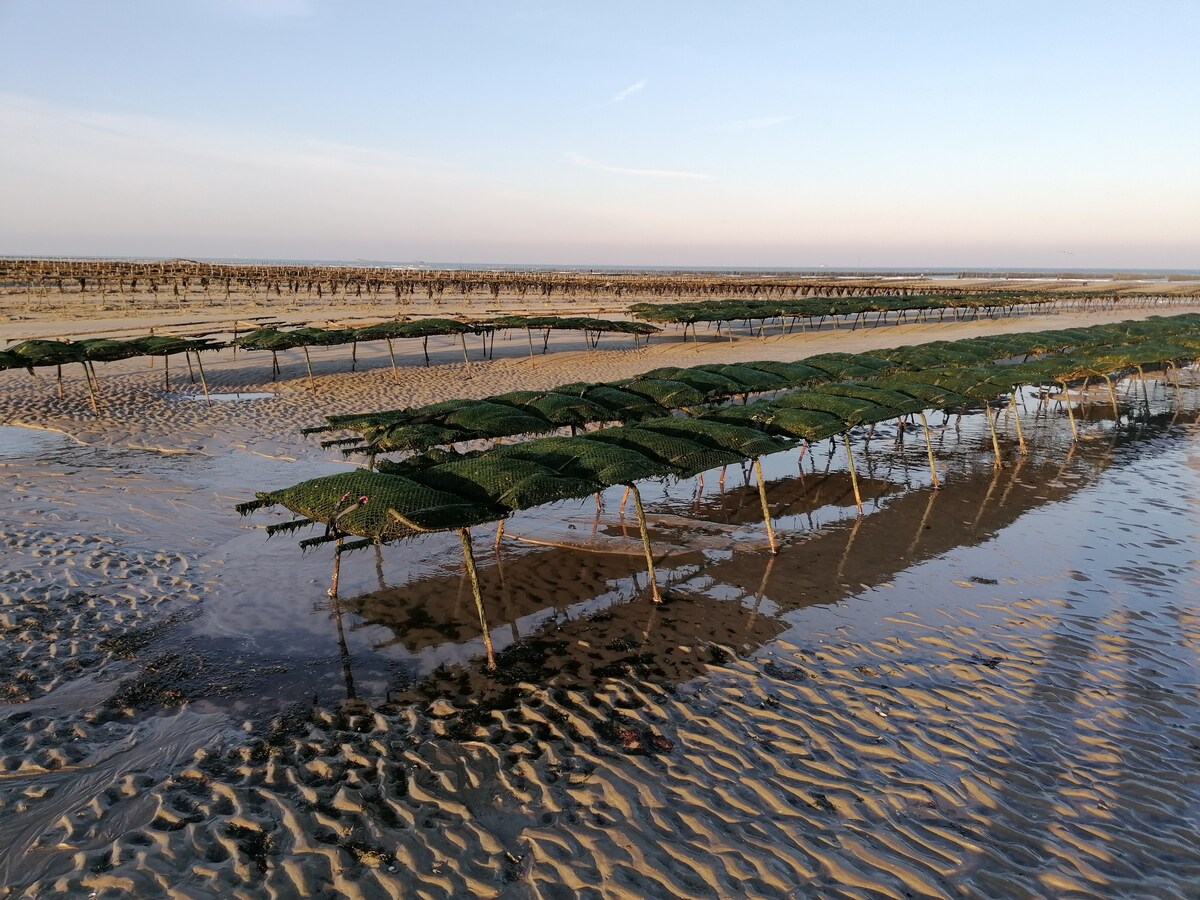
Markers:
(810, 272)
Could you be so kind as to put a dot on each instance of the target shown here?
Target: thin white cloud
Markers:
(626, 93)
(588, 163)
(751, 124)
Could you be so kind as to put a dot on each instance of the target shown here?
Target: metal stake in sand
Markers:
(762, 496)
(987, 411)
(203, 380)
(469, 556)
(853, 474)
(929, 451)
(641, 516)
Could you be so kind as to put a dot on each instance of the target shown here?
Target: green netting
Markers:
(748, 378)
(622, 404)
(798, 374)
(434, 327)
(848, 409)
(11, 361)
(893, 400)
(667, 394)
(567, 409)
(509, 483)
(587, 460)
(745, 442)
(685, 457)
(418, 437)
(486, 419)
(930, 395)
(810, 424)
(383, 331)
(395, 507)
(38, 353)
(108, 350)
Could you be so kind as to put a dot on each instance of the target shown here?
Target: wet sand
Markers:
(985, 690)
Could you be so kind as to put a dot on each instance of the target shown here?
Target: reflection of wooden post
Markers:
(987, 411)
(203, 380)
(853, 474)
(641, 516)
(1017, 419)
(465, 535)
(762, 495)
(929, 451)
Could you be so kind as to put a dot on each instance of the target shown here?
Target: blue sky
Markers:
(1061, 134)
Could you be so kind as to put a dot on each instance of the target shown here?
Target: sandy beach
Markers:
(987, 690)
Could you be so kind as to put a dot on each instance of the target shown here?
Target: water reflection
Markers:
(573, 617)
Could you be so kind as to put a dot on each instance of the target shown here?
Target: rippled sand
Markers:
(988, 690)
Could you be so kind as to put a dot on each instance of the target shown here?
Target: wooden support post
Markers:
(91, 393)
(762, 496)
(1012, 402)
(392, 357)
(1112, 397)
(465, 535)
(987, 411)
(853, 474)
(641, 516)
(337, 569)
(937, 485)
(203, 380)
(1070, 413)
(462, 337)
(308, 364)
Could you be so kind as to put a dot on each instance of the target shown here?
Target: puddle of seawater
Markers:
(236, 397)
